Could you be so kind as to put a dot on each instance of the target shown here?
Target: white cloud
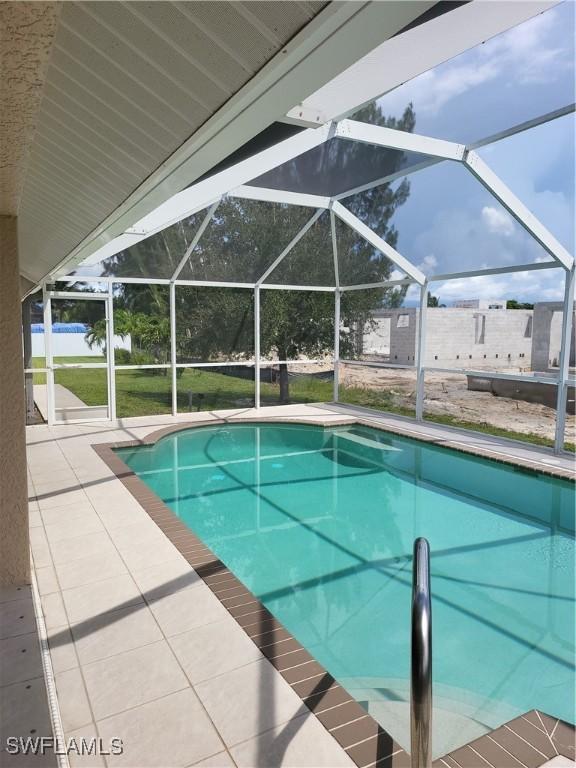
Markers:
(497, 221)
(428, 264)
(547, 285)
(523, 55)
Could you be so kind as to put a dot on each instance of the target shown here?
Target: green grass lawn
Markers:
(145, 393)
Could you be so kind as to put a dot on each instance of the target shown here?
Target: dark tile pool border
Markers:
(526, 742)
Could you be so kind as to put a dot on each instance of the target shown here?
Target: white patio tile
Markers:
(68, 550)
(248, 701)
(92, 760)
(221, 760)
(117, 632)
(72, 699)
(67, 513)
(62, 652)
(78, 526)
(47, 581)
(214, 649)
(121, 514)
(177, 720)
(34, 518)
(166, 578)
(40, 549)
(97, 567)
(53, 610)
(147, 548)
(63, 498)
(132, 678)
(303, 742)
(89, 601)
(187, 609)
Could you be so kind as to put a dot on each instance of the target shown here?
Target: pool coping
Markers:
(533, 735)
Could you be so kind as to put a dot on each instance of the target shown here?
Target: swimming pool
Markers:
(319, 523)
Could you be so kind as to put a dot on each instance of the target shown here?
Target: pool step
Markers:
(458, 718)
(367, 441)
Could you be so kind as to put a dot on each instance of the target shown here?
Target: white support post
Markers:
(173, 349)
(110, 353)
(51, 405)
(420, 369)
(257, 347)
(564, 366)
(377, 242)
(337, 297)
(517, 209)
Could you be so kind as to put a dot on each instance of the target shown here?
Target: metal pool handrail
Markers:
(421, 659)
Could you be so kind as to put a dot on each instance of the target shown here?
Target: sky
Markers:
(450, 222)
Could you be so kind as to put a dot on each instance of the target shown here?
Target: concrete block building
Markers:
(477, 338)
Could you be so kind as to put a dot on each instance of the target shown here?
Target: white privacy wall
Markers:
(73, 345)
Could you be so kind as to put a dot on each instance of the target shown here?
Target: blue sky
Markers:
(450, 222)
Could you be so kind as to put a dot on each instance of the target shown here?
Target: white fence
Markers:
(69, 340)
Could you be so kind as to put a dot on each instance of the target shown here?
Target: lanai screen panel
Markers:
(156, 256)
(310, 261)
(548, 195)
(243, 239)
(337, 166)
(214, 324)
(359, 263)
(514, 77)
(448, 222)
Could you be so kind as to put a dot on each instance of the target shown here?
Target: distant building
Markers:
(479, 304)
(467, 337)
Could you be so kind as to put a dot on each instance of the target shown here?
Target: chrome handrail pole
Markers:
(421, 659)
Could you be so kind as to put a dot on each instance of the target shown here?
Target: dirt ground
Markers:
(447, 394)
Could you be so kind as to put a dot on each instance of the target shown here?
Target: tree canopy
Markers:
(242, 241)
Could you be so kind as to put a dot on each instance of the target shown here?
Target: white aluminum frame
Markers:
(390, 138)
(107, 298)
(235, 182)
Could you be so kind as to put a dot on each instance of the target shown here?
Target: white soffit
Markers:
(104, 160)
(411, 53)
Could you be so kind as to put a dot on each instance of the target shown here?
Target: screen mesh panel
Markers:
(514, 77)
(311, 261)
(337, 166)
(156, 256)
(243, 239)
(214, 324)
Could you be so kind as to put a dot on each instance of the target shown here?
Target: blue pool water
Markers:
(320, 523)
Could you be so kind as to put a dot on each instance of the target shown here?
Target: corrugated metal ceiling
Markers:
(127, 84)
